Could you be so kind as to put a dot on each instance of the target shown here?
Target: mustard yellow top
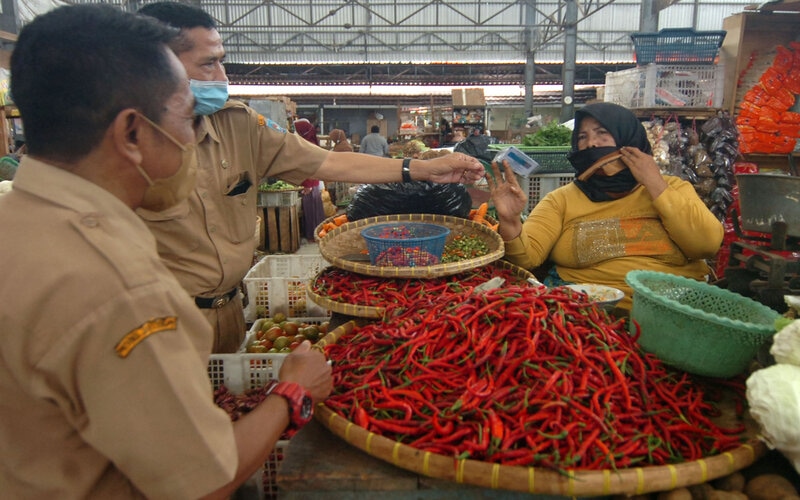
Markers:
(599, 242)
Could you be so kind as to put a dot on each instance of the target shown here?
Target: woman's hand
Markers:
(509, 200)
(455, 167)
(644, 169)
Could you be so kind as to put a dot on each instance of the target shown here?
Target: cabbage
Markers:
(773, 394)
(786, 344)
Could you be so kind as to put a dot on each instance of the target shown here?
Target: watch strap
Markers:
(407, 170)
(301, 407)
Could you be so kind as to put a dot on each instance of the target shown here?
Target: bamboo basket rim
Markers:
(346, 239)
(377, 312)
(533, 480)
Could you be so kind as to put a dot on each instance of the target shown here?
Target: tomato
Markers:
(273, 333)
(291, 328)
(281, 342)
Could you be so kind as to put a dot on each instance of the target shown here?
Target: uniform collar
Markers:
(205, 126)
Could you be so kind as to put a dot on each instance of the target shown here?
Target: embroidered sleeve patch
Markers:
(134, 337)
(262, 121)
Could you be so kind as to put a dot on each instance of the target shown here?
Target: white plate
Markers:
(605, 296)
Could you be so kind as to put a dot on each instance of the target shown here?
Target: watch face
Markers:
(306, 409)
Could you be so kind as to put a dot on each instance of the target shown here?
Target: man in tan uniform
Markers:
(103, 356)
(209, 242)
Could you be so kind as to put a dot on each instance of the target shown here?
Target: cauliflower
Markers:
(786, 344)
(773, 394)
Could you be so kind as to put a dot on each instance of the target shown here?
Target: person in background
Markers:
(621, 217)
(339, 139)
(313, 213)
(458, 135)
(445, 131)
(104, 390)
(208, 241)
(374, 143)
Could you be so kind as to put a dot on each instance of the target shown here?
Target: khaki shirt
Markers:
(86, 411)
(208, 242)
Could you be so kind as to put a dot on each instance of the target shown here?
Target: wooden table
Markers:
(319, 465)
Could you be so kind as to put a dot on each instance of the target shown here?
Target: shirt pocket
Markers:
(238, 207)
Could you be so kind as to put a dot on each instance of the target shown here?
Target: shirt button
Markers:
(204, 195)
(212, 229)
(89, 221)
(225, 164)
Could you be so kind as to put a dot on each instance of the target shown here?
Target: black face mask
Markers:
(585, 158)
(600, 187)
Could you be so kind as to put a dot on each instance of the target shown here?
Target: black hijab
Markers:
(626, 130)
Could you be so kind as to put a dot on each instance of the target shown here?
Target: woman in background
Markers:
(620, 214)
(339, 139)
(313, 212)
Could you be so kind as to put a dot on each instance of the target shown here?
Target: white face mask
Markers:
(169, 191)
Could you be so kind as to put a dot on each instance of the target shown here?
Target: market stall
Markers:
(346, 455)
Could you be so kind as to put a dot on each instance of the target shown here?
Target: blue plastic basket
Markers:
(405, 244)
(677, 46)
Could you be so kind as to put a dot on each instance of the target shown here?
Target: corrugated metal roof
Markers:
(332, 32)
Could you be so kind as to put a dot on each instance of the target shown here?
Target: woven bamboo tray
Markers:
(346, 240)
(361, 311)
(533, 480)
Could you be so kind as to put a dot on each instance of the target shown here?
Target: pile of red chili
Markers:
(346, 287)
(521, 376)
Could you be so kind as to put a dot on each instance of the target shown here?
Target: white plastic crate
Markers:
(537, 186)
(285, 198)
(659, 85)
(240, 372)
(278, 283)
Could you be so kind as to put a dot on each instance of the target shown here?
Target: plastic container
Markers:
(677, 46)
(240, 372)
(697, 327)
(537, 186)
(277, 284)
(669, 86)
(519, 162)
(405, 244)
(285, 198)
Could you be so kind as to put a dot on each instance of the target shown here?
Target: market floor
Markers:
(307, 248)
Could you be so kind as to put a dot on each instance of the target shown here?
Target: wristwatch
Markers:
(301, 406)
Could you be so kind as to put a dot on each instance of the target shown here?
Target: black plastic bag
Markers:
(476, 146)
(419, 197)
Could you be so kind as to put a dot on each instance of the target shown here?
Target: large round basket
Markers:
(340, 245)
(697, 327)
(533, 480)
(362, 311)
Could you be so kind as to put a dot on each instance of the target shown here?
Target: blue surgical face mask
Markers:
(209, 96)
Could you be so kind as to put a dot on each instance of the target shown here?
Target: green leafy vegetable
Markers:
(552, 134)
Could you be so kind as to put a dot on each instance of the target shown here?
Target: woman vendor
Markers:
(621, 216)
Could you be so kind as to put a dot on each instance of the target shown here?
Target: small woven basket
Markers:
(339, 245)
(697, 327)
(405, 244)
